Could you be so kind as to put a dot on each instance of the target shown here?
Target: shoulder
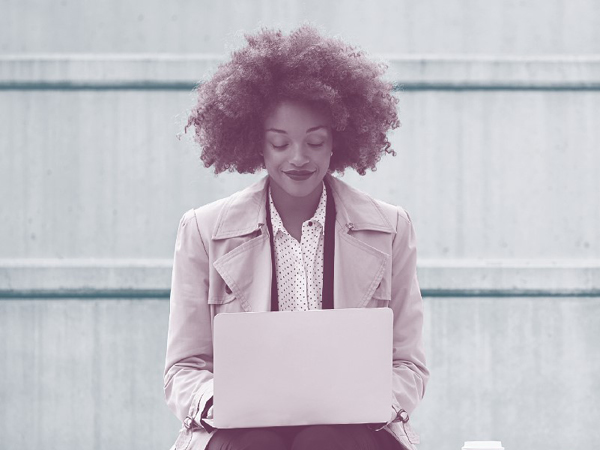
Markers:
(395, 213)
(229, 212)
(198, 223)
(398, 217)
(204, 218)
(361, 204)
(209, 213)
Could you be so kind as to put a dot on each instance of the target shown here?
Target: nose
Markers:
(298, 156)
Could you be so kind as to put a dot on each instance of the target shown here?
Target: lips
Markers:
(298, 175)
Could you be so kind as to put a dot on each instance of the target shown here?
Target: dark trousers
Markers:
(316, 437)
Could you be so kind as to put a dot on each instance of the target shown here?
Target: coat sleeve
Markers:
(410, 373)
(188, 376)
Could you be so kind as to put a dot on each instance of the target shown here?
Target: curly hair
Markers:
(306, 66)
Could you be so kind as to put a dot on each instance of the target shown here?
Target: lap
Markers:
(247, 439)
(330, 437)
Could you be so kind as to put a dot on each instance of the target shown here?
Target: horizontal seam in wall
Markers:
(132, 294)
(151, 278)
(176, 86)
(407, 72)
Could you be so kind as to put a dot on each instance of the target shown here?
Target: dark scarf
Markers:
(328, 253)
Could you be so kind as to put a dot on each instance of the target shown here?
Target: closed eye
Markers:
(316, 145)
(279, 147)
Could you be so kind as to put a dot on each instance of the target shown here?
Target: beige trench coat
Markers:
(222, 263)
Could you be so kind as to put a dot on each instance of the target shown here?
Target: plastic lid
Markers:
(483, 445)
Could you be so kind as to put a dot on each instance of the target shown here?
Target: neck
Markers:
(295, 208)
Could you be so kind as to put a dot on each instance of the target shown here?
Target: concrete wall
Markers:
(497, 164)
(390, 26)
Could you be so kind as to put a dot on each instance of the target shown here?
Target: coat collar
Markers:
(245, 211)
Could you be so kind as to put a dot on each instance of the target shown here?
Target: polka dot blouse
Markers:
(299, 265)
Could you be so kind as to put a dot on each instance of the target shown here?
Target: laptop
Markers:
(313, 367)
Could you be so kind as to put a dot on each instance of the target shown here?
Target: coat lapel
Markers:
(247, 267)
(247, 271)
(358, 270)
(358, 266)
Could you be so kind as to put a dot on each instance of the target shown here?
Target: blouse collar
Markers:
(318, 216)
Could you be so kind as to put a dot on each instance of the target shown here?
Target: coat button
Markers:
(227, 289)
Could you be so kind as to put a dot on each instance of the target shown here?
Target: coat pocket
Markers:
(382, 296)
(225, 303)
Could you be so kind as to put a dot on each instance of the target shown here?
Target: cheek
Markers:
(271, 159)
(325, 157)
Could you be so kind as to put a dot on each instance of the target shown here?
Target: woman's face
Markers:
(297, 147)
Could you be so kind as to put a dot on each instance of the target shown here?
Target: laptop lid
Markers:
(302, 367)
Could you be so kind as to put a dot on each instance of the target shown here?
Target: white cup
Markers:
(483, 445)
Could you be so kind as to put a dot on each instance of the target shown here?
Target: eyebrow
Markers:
(308, 131)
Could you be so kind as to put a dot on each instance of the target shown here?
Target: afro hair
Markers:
(305, 66)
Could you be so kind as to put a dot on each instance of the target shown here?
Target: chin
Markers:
(299, 191)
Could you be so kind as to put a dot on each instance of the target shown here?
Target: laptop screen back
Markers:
(302, 368)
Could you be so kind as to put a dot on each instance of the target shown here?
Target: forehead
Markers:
(290, 114)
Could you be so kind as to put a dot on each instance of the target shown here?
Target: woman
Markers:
(301, 106)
